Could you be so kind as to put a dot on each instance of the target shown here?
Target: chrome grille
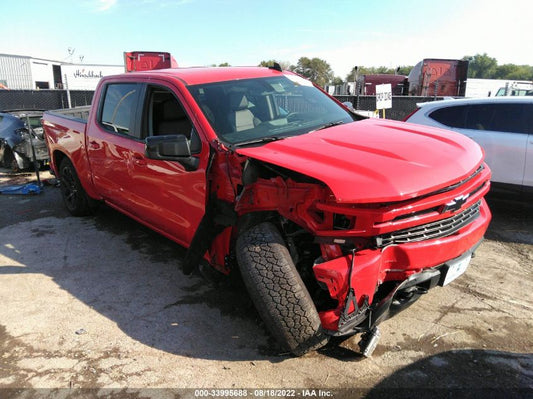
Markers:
(429, 231)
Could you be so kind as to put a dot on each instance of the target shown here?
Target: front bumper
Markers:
(418, 262)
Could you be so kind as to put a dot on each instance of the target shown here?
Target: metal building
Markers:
(27, 73)
(15, 72)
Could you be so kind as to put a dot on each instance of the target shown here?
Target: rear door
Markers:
(528, 172)
(500, 128)
(113, 140)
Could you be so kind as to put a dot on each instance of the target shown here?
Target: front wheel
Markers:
(278, 291)
(73, 193)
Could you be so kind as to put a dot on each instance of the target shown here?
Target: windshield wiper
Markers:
(330, 124)
(261, 140)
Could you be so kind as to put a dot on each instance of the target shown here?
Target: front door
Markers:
(161, 194)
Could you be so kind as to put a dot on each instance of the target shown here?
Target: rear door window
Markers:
(454, 116)
(512, 118)
(528, 119)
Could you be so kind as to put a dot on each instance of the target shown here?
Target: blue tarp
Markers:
(21, 189)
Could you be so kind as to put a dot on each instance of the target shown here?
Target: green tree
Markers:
(514, 72)
(315, 69)
(351, 75)
(481, 66)
(337, 81)
(403, 70)
(285, 65)
(362, 70)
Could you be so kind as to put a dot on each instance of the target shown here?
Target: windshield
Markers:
(258, 110)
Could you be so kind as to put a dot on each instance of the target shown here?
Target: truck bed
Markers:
(81, 114)
(65, 134)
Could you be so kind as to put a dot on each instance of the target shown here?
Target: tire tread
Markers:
(277, 290)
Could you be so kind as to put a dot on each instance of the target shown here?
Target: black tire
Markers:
(278, 291)
(74, 196)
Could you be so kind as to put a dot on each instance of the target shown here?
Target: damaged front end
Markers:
(32, 147)
(22, 141)
(363, 263)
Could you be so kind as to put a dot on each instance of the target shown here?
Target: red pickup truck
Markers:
(334, 223)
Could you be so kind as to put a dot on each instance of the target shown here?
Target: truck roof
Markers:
(203, 75)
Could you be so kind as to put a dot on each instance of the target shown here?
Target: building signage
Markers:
(88, 74)
(383, 96)
(86, 77)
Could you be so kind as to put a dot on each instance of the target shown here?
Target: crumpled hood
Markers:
(376, 160)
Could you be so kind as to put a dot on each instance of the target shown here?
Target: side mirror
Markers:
(349, 105)
(358, 115)
(171, 148)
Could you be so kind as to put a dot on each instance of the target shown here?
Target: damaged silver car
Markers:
(22, 140)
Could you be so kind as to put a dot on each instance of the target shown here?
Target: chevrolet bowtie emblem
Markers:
(455, 204)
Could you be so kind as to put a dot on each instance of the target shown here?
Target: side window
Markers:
(164, 115)
(480, 117)
(450, 116)
(528, 120)
(509, 118)
(119, 108)
(498, 117)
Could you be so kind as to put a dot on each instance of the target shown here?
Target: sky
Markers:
(344, 33)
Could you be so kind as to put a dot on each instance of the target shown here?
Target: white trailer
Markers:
(496, 87)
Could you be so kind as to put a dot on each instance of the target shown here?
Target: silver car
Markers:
(502, 126)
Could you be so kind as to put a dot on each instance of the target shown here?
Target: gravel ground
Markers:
(99, 306)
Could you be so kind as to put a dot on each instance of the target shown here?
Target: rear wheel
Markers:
(277, 290)
(73, 193)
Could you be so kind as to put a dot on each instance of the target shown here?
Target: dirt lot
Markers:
(101, 302)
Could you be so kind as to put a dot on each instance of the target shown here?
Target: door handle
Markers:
(94, 145)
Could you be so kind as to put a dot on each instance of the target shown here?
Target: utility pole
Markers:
(355, 77)
(68, 92)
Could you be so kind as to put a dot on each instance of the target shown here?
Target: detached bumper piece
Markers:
(403, 296)
(388, 301)
(348, 321)
(365, 318)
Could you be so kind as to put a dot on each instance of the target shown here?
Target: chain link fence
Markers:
(55, 99)
(43, 99)
(401, 105)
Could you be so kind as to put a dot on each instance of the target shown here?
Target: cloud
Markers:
(166, 3)
(104, 5)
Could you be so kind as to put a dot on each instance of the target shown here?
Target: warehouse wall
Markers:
(15, 72)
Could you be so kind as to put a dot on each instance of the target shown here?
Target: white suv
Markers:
(502, 126)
